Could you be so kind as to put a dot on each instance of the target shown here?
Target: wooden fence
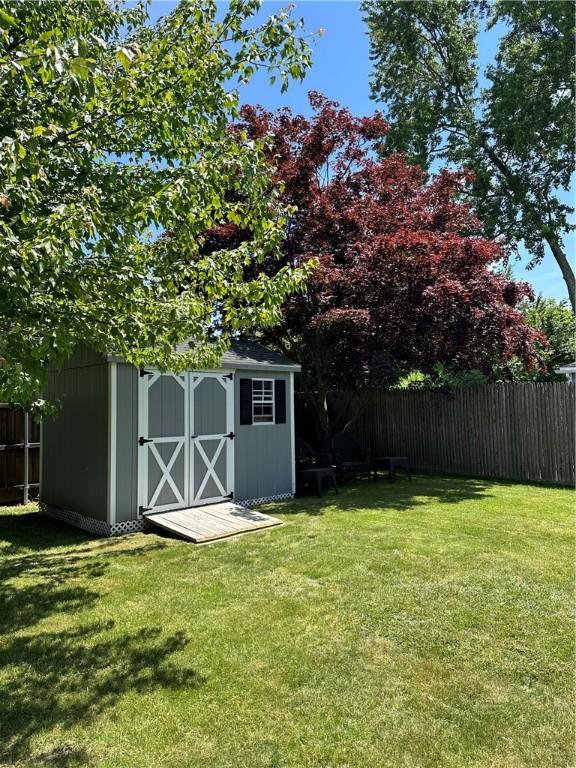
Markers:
(514, 431)
(19, 455)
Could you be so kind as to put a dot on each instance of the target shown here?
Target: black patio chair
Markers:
(349, 457)
(313, 468)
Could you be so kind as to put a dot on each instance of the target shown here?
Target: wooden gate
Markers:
(19, 455)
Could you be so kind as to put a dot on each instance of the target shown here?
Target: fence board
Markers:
(514, 431)
(12, 455)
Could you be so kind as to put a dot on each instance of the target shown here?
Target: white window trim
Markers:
(272, 403)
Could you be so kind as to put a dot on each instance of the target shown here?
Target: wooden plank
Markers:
(196, 537)
(195, 534)
(173, 527)
(218, 521)
(254, 519)
(194, 530)
(197, 520)
(563, 406)
(538, 433)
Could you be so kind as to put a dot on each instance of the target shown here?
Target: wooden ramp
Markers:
(212, 522)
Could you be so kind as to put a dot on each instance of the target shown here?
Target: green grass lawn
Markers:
(415, 625)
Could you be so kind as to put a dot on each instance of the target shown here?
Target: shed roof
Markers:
(248, 355)
(251, 354)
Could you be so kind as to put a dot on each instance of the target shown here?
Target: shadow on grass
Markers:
(399, 496)
(30, 530)
(37, 582)
(60, 677)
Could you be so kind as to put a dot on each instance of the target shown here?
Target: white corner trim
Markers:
(40, 460)
(230, 426)
(292, 433)
(141, 453)
(112, 435)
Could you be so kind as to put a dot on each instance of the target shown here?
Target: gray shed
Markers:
(130, 443)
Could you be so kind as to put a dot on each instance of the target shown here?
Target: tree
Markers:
(113, 131)
(516, 134)
(556, 322)
(403, 277)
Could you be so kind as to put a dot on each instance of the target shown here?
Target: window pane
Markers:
(262, 401)
(263, 391)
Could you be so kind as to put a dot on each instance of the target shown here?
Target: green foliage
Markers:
(516, 134)
(441, 378)
(113, 131)
(555, 320)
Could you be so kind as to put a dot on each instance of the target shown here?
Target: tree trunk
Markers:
(323, 416)
(317, 399)
(524, 205)
(565, 268)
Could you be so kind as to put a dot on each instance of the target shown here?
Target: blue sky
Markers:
(341, 71)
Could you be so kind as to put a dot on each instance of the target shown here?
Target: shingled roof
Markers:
(244, 355)
(251, 354)
(248, 354)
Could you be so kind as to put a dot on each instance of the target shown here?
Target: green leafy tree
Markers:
(113, 131)
(555, 320)
(516, 134)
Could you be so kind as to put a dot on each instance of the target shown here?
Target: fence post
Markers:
(26, 457)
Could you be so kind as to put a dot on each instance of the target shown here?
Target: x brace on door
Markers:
(210, 465)
(165, 469)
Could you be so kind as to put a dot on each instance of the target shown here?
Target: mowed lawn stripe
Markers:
(416, 624)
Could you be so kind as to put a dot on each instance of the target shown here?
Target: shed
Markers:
(129, 443)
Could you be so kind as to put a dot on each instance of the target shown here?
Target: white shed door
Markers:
(164, 452)
(212, 446)
(186, 453)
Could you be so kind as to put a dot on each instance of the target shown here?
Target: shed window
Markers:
(263, 401)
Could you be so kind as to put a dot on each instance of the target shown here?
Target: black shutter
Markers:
(280, 401)
(245, 401)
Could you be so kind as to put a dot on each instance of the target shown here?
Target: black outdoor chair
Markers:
(348, 455)
(313, 468)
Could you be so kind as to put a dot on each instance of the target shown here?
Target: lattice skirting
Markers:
(102, 528)
(90, 524)
(264, 499)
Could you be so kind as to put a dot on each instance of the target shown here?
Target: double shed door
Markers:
(186, 449)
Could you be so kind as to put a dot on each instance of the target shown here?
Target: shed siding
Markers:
(83, 357)
(126, 443)
(75, 441)
(262, 452)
